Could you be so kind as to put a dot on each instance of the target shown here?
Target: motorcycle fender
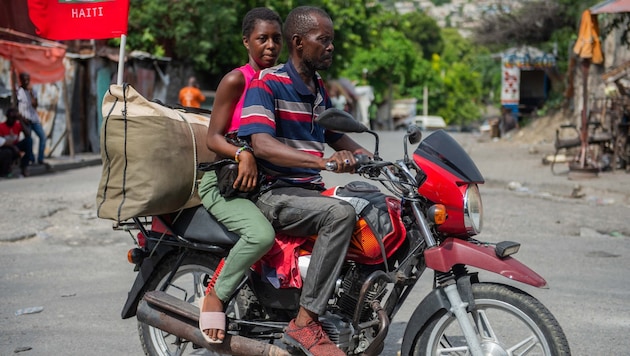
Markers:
(142, 278)
(455, 251)
(430, 305)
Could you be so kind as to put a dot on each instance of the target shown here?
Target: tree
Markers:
(193, 31)
(207, 35)
(533, 23)
(453, 79)
(423, 31)
(395, 50)
(388, 61)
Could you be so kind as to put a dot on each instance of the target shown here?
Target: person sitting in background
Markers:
(190, 95)
(507, 121)
(11, 145)
(6, 159)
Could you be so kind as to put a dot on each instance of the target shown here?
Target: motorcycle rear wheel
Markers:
(187, 284)
(511, 322)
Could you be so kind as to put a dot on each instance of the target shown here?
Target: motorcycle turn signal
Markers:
(135, 255)
(437, 213)
(506, 248)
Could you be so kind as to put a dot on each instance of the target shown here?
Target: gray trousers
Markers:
(303, 212)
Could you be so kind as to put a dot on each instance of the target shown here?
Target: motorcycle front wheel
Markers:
(508, 321)
(187, 284)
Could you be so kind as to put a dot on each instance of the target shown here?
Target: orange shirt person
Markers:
(190, 95)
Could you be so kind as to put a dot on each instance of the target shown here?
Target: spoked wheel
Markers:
(187, 284)
(508, 322)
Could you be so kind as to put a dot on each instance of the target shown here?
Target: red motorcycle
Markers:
(428, 221)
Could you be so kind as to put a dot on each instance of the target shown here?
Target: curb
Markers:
(61, 163)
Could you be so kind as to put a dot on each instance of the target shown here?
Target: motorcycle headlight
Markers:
(473, 210)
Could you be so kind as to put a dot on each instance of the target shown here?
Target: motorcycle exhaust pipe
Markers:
(167, 313)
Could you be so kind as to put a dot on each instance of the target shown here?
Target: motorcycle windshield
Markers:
(441, 149)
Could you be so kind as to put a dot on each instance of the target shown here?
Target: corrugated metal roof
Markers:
(611, 6)
(15, 16)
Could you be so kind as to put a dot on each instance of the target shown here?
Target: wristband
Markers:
(241, 149)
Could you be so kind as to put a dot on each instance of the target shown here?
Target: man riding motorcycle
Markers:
(291, 149)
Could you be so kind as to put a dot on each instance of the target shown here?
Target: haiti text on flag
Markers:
(79, 19)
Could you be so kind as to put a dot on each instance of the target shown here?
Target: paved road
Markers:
(67, 261)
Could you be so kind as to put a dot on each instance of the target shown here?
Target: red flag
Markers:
(79, 19)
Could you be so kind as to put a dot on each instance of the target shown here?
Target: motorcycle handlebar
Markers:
(360, 159)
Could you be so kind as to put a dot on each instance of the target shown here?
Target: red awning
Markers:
(43, 63)
(611, 6)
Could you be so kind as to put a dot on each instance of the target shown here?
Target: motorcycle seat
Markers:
(197, 224)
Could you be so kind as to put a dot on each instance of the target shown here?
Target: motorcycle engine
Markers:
(339, 331)
(339, 326)
(350, 289)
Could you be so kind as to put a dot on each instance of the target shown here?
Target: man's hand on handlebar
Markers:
(341, 162)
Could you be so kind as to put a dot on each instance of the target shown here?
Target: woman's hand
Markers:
(247, 178)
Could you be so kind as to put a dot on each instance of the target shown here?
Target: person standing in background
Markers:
(337, 98)
(190, 95)
(27, 106)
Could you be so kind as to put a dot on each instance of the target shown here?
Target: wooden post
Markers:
(586, 63)
(68, 132)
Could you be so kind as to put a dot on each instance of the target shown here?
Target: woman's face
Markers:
(264, 43)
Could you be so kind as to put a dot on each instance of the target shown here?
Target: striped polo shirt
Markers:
(280, 104)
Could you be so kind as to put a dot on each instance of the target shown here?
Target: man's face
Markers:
(25, 79)
(317, 44)
(12, 117)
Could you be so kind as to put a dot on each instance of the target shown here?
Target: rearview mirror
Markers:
(414, 134)
(339, 120)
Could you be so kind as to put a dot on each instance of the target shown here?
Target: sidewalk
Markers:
(62, 163)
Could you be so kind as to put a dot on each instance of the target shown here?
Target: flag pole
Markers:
(121, 59)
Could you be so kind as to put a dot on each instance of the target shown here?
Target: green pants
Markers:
(242, 217)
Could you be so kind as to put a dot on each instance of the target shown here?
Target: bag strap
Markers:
(188, 109)
(195, 155)
(212, 166)
(105, 150)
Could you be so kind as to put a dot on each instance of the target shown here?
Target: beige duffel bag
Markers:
(150, 154)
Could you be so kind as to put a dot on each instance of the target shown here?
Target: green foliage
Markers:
(460, 88)
(189, 30)
(573, 8)
(354, 29)
(387, 61)
(207, 34)
(423, 31)
(407, 53)
(396, 54)
(440, 2)
(456, 84)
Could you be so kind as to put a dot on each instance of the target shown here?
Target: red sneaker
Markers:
(311, 339)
